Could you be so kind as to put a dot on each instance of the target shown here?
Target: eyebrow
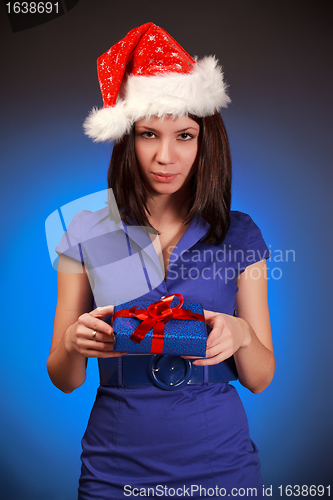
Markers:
(177, 131)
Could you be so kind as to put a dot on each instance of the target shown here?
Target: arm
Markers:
(247, 336)
(255, 360)
(72, 340)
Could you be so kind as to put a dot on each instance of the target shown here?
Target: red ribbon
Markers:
(156, 316)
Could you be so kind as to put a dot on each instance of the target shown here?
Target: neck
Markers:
(167, 209)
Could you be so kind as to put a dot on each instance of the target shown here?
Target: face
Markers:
(166, 150)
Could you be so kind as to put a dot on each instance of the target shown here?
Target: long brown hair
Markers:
(210, 188)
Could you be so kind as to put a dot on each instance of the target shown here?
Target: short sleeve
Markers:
(70, 243)
(254, 246)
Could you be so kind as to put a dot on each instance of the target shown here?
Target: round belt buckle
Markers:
(169, 372)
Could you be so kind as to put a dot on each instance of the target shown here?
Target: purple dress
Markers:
(143, 440)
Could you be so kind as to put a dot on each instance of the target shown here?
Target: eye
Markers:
(148, 135)
(185, 136)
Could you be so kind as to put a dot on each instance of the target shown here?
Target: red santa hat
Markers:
(149, 74)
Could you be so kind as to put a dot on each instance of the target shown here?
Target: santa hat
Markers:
(149, 74)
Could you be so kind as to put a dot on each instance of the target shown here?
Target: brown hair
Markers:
(210, 188)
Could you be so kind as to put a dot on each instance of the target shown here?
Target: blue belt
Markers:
(165, 372)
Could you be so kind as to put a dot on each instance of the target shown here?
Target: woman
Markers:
(170, 170)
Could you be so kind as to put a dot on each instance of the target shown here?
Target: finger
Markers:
(92, 345)
(87, 321)
(90, 353)
(102, 337)
(89, 333)
(215, 360)
(215, 336)
(209, 316)
(218, 349)
(191, 357)
(102, 312)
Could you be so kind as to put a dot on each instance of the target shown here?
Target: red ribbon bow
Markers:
(155, 317)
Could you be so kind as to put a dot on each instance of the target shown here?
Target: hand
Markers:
(91, 336)
(228, 334)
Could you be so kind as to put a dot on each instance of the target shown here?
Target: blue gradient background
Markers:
(277, 60)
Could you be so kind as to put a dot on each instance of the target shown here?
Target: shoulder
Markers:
(86, 223)
(248, 235)
(242, 225)
(83, 227)
(91, 218)
(240, 220)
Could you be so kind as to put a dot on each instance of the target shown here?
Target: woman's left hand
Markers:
(228, 334)
(247, 336)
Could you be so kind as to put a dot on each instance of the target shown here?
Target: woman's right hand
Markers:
(91, 336)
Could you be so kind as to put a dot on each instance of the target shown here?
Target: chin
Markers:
(166, 189)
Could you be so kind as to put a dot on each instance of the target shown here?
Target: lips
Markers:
(164, 177)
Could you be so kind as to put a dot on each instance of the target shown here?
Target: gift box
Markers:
(168, 326)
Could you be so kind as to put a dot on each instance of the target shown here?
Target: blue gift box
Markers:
(182, 337)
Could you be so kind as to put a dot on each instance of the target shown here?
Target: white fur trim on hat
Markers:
(201, 92)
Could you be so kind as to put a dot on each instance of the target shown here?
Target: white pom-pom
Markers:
(107, 124)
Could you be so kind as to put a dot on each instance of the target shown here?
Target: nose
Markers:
(165, 151)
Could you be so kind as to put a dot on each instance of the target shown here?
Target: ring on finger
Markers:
(93, 335)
